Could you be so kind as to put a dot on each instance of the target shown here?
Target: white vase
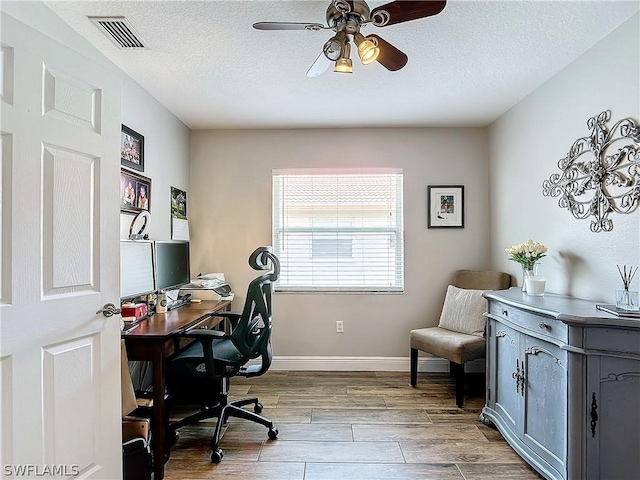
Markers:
(528, 272)
(533, 283)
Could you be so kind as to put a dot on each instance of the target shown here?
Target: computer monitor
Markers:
(172, 265)
(136, 269)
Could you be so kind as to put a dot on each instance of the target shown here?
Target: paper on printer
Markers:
(213, 281)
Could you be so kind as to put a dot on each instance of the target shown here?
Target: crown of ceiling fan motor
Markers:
(356, 11)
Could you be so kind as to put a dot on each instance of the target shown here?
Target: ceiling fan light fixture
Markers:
(334, 47)
(344, 65)
(368, 51)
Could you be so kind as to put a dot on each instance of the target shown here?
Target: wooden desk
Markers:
(156, 339)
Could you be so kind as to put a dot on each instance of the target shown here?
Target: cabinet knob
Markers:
(505, 312)
(543, 325)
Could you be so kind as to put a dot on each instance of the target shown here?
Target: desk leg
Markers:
(159, 430)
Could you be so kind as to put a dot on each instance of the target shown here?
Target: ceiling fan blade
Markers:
(320, 66)
(287, 26)
(390, 57)
(404, 11)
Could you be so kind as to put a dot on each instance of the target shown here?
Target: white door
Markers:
(59, 360)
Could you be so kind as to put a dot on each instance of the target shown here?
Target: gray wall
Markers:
(230, 213)
(166, 155)
(166, 137)
(229, 193)
(525, 146)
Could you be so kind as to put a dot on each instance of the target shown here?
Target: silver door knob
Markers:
(109, 309)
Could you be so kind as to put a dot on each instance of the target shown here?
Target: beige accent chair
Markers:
(459, 337)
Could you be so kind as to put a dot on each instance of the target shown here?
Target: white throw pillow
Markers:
(462, 311)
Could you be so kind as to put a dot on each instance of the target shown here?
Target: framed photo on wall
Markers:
(445, 206)
(178, 203)
(135, 192)
(131, 149)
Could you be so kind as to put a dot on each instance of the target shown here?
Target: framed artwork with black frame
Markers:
(131, 149)
(135, 192)
(445, 206)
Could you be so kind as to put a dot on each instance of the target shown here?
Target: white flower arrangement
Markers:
(527, 254)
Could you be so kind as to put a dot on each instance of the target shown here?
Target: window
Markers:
(339, 230)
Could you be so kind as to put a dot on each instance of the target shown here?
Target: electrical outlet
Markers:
(339, 326)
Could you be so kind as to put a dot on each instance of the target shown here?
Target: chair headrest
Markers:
(263, 259)
(482, 279)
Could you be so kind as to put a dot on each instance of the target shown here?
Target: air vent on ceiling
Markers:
(120, 32)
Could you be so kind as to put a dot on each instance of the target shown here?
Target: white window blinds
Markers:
(339, 230)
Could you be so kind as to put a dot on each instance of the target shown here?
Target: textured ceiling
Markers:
(467, 66)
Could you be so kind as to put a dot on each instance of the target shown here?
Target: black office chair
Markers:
(200, 374)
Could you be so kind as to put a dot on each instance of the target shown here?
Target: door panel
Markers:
(545, 422)
(70, 220)
(70, 99)
(6, 75)
(6, 410)
(60, 361)
(508, 402)
(6, 155)
(63, 445)
(613, 439)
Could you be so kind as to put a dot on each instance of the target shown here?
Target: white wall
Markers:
(526, 144)
(230, 211)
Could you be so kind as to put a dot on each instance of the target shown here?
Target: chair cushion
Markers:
(463, 311)
(454, 346)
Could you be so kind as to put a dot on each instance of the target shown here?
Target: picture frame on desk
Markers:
(131, 149)
(445, 206)
(135, 192)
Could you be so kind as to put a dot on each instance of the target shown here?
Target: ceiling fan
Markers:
(346, 18)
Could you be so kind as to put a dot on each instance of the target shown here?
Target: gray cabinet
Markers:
(563, 385)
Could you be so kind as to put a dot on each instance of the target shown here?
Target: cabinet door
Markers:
(613, 418)
(505, 345)
(545, 401)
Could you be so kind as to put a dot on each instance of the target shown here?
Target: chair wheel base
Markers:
(172, 438)
(258, 408)
(216, 455)
(273, 433)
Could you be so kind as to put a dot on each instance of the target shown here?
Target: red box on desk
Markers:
(138, 310)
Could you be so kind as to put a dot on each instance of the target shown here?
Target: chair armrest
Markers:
(233, 317)
(203, 333)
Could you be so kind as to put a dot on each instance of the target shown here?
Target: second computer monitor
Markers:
(172, 265)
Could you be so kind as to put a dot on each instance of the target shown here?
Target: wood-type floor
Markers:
(352, 426)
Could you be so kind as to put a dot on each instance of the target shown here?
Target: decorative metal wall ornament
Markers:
(614, 178)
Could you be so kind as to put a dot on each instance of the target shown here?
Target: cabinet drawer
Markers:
(537, 325)
(206, 323)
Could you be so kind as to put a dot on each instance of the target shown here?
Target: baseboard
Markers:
(367, 364)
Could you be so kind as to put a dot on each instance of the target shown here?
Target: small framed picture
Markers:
(131, 149)
(445, 206)
(135, 192)
(178, 203)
